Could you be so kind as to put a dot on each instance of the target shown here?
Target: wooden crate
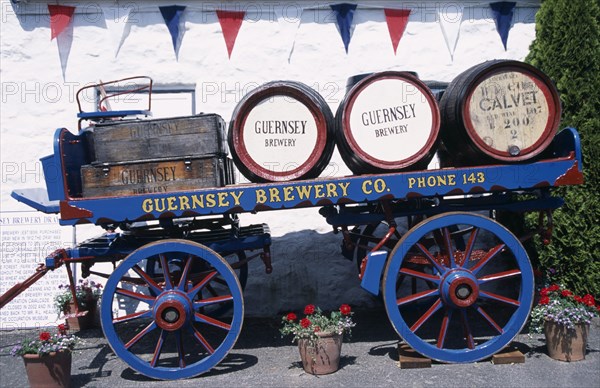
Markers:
(176, 137)
(155, 176)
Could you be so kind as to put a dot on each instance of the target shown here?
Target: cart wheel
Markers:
(165, 326)
(482, 293)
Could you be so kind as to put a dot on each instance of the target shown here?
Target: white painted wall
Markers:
(308, 266)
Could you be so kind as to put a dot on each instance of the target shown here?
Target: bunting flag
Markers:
(344, 13)
(118, 24)
(503, 14)
(450, 21)
(60, 18)
(230, 21)
(396, 19)
(175, 23)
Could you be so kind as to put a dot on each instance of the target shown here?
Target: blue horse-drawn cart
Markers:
(457, 284)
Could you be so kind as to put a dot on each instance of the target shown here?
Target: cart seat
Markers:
(37, 198)
(99, 115)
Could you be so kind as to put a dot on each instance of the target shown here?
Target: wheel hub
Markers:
(172, 310)
(459, 289)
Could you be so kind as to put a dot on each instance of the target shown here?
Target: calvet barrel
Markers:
(388, 121)
(498, 111)
(281, 131)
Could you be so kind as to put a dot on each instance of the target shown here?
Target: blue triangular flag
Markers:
(503, 15)
(172, 15)
(344, 14)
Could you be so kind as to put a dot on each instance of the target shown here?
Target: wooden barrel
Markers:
(281, 131)
(498, 111)
(388, 121)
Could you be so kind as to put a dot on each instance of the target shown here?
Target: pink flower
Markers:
(309, 309)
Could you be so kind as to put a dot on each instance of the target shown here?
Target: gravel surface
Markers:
(261, 358)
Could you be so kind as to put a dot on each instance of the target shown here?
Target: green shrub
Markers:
(567, 49)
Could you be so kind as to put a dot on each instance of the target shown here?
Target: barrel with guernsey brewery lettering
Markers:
(388, 121)
(281, 131)
(499, 111)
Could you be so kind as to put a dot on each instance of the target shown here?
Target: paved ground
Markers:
(261, 358)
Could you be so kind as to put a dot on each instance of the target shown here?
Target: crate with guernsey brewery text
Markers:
(156, 176)
(177, 137)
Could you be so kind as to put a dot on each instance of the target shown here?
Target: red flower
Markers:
(345, 309)
(291, 317)
(578, 299)
(566, 293)
(44, 336)
(544, 300)
(589, 300)
(544, 292)
(309, 309)
(554, 287)
(62, 329)
(317, 329)
(305, 322)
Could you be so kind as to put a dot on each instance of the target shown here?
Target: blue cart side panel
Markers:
(563, 169)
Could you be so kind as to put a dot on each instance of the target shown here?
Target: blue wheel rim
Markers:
(458, 292)
(175, 317)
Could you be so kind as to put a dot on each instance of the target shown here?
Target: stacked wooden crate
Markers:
(156, 156)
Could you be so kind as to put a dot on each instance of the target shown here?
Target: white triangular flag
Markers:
(118, 24)
(450, 19)
(64, 41)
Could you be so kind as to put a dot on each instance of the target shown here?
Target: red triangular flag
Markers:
(397, 19)
(230, 21)
(60, 17)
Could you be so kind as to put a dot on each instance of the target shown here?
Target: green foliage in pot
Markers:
(86, 291)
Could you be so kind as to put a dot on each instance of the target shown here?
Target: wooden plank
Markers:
(409, 359)
(165, 176)
(192, 136)
(509, 355)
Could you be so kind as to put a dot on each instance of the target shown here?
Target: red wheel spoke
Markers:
(470, 245)
(448, 246)
(184, 274)
(192, 293)
(489, 295)
(149, 281)
(417, 296)
(200, 338)
(420, 275)
(467, 329)
(434, 307)
(213, 300)
(444, 328)
(211, 321)
(129, 317)
(140, 335)
(180, 352)
(490, 320)
(491, 254)
(158, 349)
(166, 273)
(499, 275)
(431, 259)
(137, 296)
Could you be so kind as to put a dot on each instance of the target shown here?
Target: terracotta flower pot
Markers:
(322, 357)
(49, 371)
(83, 322)
(564, 344)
